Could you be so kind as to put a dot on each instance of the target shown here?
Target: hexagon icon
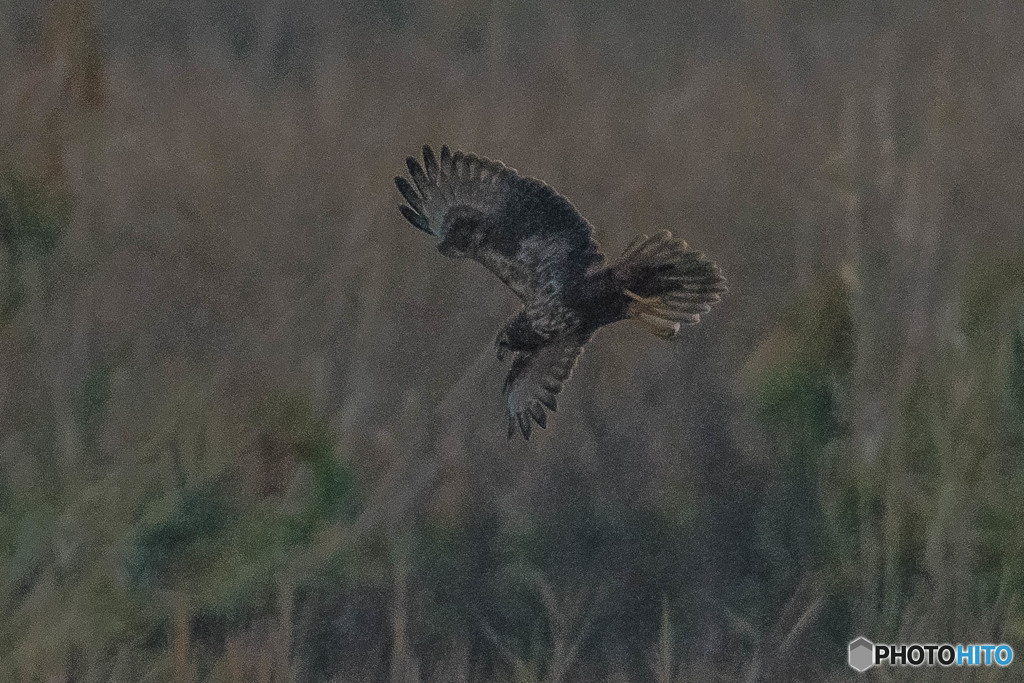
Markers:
(862, 654)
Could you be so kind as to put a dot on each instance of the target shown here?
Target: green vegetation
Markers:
(32, 220)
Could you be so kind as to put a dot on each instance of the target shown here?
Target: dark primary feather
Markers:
(410, 194)
(446, 158)
(416, 173)
(433, 170)
(415, 218)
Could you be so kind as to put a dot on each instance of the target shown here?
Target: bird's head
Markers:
(463, 232)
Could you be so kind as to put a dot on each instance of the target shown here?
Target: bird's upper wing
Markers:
(536, 378)
(519, 228)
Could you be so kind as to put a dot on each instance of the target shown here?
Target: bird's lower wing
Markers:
(535, 380)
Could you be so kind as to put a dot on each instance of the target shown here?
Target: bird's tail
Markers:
(667, 283)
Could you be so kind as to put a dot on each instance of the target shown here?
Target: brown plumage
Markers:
(536, 242)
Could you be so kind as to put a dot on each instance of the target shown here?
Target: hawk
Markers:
(539, 245)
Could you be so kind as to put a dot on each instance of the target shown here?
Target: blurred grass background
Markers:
(240, 439)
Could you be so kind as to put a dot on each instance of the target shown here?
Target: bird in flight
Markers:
(538, 244)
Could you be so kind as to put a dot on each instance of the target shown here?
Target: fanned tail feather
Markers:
(668, 284)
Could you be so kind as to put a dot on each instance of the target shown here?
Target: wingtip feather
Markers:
(416, 171)
(415, 201)
(418, 220)
(525, 425)
(538, 414)
(430, 163)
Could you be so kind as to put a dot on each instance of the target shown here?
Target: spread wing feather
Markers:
(535, 380)
(527, 234)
